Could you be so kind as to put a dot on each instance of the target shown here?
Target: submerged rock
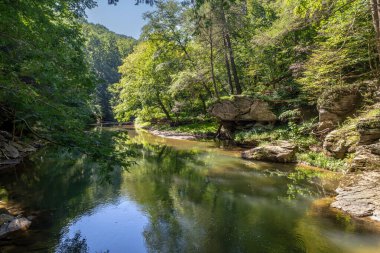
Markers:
(19, 224)
(359, 196)
(279, 151)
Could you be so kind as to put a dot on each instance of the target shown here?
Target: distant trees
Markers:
(104, 53)
(146, 76)
(55, 70)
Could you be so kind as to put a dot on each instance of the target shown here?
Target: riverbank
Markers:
(190, 131)
(357, 192)
(14, 149)
(308, 151)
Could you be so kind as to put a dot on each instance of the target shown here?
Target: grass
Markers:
(299, 134)
(191, 128)
(320, 160)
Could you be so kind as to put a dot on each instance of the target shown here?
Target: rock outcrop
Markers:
(334, 106)
(359, 196)
(360, 136)
(359, 193)
(241, 108)
(366, 157)
(279, 151)
(340, 142)
(369, 130)
(12, 150)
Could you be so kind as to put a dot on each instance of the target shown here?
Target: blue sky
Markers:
(124, 18)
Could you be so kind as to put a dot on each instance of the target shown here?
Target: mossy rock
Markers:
(340, 142)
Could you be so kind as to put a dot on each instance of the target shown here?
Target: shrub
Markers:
(320, 160)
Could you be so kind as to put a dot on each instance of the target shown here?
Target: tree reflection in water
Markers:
(77, 244)
(192, 200)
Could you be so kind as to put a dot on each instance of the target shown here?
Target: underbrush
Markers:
(299, 134)
(197, 128)
(320, 160)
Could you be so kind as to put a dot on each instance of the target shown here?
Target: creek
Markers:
(178, 196)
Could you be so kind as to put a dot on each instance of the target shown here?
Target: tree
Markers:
(104, 53)
(143, 88)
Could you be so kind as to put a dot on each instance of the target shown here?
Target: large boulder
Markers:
(340, 142)
(279, 151)
(335, 105)
(359, 195)
(241, 108)
(11, 224)
(366, 157)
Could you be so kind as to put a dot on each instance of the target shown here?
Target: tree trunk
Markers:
(375, 9)
(204, 106)
(228, 66)
(163, 108)
(233, 65)
(188, 57)
(227, 44)
(212, 63)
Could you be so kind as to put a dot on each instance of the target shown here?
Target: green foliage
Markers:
(275, 50)
(344, 52)
(104, 51)
(290, 115)
(50, 65)
(318, 159)
(44, 77)
(146, 74)
(299, 134)
(56, 70)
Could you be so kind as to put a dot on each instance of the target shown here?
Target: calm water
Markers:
(180, 196)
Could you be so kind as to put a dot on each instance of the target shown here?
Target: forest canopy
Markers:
(193, 54)
(59, 74)
(55, 69)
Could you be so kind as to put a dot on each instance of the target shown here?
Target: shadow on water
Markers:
(178, 196)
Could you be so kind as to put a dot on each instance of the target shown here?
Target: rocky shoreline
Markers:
(357, 194)
(13, 150)
(13, 218)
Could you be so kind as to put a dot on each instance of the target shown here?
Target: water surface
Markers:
(180, 196)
